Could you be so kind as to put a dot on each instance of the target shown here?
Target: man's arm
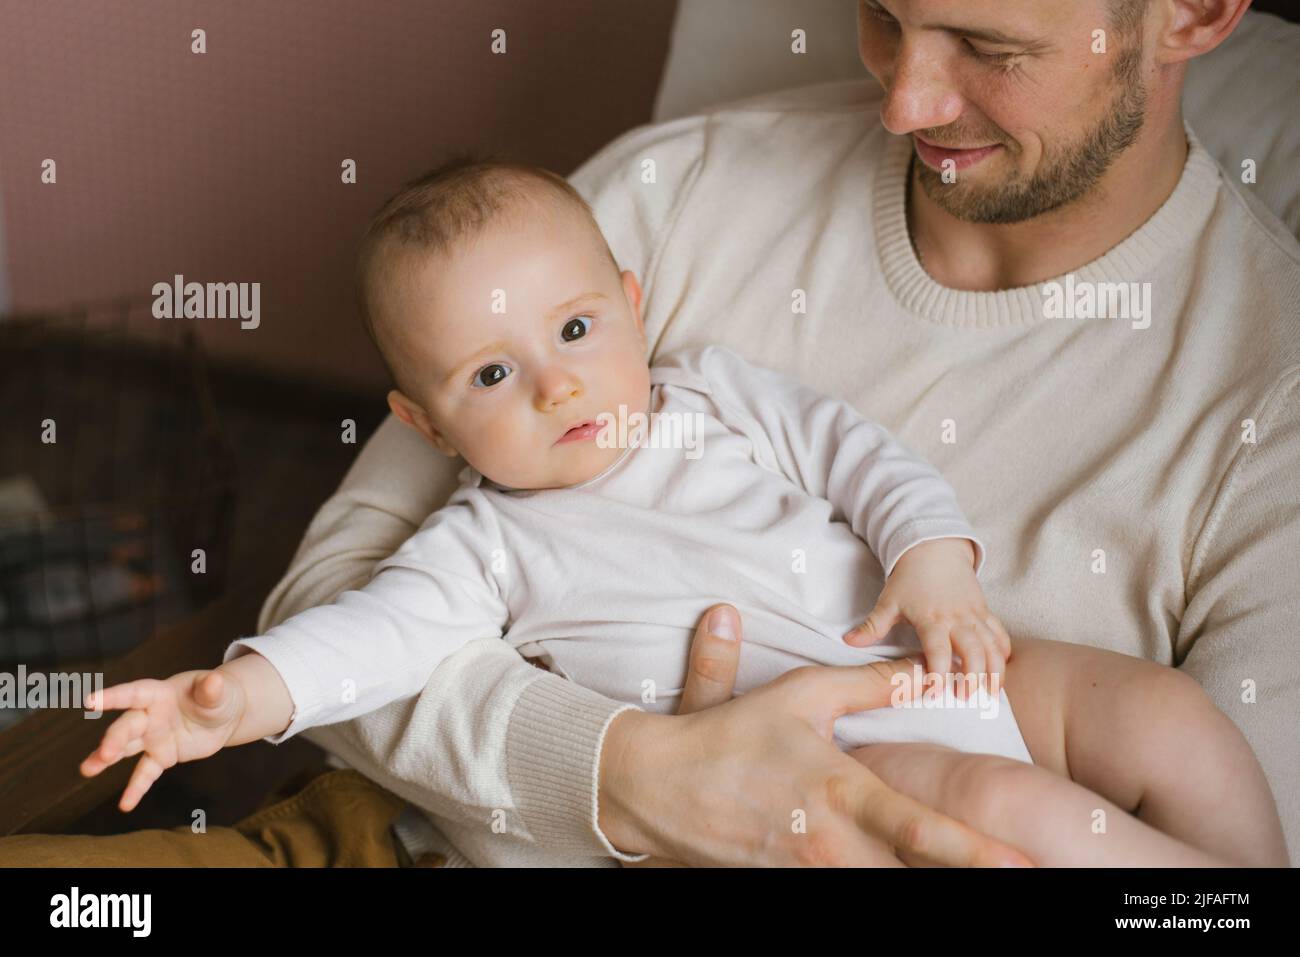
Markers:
(489, 732)
(1237, 637)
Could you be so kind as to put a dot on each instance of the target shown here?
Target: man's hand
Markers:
(934, 589)
(726, 781)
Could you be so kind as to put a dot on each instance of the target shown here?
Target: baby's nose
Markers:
(556, 388)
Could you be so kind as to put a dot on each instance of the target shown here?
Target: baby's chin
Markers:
(569, 465)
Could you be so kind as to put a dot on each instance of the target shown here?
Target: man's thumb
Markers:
(853, 688)
(715, 656)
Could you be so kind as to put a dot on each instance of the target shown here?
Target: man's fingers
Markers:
(654, 862)
(857, 849)
(921, 835)
(834, 690)
(715, 656)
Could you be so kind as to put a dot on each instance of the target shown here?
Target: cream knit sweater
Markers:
(1137, 483)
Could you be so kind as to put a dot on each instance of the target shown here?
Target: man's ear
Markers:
(1192, 28)
(632, 289)
(413, 414)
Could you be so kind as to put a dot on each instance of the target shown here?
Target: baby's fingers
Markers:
(147, 771)
(1004, 639)
(993, 653)
(114, 746)
(132, 694)
(937, 645)
(971, 649)
(878, 623)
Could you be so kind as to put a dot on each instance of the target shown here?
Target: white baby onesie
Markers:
(750, 488)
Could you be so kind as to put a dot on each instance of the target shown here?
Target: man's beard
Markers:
(1065, 174)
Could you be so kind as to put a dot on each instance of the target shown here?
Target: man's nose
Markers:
(556, 384)
(918, 94)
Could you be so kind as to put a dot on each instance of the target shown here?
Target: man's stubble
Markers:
(1067, 172)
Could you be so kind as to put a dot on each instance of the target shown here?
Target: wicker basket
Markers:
(97, 528)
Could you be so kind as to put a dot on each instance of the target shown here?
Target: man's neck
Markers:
(988, 257)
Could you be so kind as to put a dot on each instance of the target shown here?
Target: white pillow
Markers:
(1242, 99)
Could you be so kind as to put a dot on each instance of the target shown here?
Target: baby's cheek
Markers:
(514, 447)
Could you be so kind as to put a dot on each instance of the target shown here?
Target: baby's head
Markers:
(504, 320)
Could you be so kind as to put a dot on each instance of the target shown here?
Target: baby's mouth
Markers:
(578, 431)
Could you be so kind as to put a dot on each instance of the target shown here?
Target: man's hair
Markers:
(1125, 15)
(447, 205)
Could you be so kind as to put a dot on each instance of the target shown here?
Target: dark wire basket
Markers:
(99, 528)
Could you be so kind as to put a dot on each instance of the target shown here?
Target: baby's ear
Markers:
(632, 289)
(414, 416)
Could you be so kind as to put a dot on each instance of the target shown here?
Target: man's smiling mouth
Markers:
(935, 156)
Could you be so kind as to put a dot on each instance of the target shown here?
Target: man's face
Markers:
(502, 388)
(1032, 116)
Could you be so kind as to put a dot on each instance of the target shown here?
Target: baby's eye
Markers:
(491, 379)
(579, 330)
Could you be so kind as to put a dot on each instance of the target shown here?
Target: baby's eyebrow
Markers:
(494, 347)
(554, 313)
(575, 301)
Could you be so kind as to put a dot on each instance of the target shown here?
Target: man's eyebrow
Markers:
(499, 346)
(988, 34)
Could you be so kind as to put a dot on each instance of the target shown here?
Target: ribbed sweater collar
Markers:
(1176, 223)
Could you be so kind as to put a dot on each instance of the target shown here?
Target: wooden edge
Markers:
(41, 787)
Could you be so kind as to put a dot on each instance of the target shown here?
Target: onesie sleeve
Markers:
(379, 643)
(890, 497)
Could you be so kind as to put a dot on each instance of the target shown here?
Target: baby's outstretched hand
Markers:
(934, 589)
(186, 717)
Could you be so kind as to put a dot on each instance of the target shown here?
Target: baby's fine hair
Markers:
(451, 203)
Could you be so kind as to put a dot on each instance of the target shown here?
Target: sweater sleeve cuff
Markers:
(553, 744)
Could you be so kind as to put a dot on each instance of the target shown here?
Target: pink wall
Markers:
(225, 166)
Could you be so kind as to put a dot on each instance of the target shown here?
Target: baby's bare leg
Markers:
(1149, 739)
(1047, 816)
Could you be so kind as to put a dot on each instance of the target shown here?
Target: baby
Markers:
(606, 503)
